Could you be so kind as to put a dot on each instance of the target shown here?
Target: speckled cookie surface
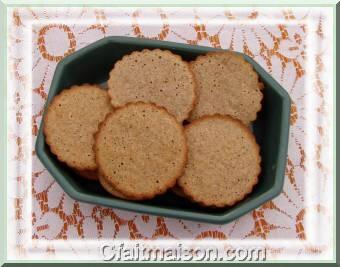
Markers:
(226, 85)
(109, 188)
(71, 121)
(223, 161)
(141, 150)
(154, 76)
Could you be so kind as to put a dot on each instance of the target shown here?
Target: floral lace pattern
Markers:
(293, 45)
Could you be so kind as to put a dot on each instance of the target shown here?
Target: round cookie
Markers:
(154, 76)
(140, 150)
(71, 121)
(223, 161)
(226, 85)
(113, 191)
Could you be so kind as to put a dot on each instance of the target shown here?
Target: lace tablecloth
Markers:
(293, 45)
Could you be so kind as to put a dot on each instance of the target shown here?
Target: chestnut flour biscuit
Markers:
(71, 120)
(153, 76)
(140, 150)
(109, 188)
(226, 85)
(223, 161)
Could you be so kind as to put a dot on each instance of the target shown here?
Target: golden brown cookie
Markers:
(153, 76)
(223, 162)
(226, 85)
(140, 150)
(71, 120)
(109, 188)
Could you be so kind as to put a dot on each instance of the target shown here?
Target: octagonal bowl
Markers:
(93, 63)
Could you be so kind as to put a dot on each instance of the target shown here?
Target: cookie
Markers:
(154, 76)
(71, 121)
(223, 161)
(226, 85)
(140, 150)
(88, 174)
(113, 191)
(178, 191)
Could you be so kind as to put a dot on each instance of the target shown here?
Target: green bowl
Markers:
(93, 63)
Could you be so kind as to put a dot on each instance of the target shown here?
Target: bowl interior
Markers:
(93, 64)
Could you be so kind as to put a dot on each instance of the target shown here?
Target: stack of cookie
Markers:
(131, 137)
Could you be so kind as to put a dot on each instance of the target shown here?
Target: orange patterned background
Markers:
(293, 45)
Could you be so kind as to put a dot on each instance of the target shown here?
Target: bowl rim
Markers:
(226, 217)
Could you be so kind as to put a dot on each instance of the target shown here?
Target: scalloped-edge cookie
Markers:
(223, 161)
(226, 84)
(71, 120)
(140, 150)
(154, 76)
